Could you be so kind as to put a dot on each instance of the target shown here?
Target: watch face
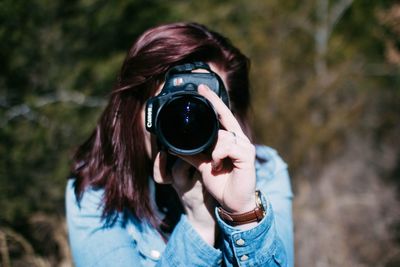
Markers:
(258, 199)
(259, 202)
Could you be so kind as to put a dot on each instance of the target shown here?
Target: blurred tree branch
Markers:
(5, 257)
(327, 18)
(337, 12)
(66, 97)
(327, 15)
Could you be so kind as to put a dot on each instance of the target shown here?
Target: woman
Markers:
(126, 208)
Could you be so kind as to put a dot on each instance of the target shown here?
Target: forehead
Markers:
(218, 71)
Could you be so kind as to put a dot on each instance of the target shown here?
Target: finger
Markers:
(228, 145)
(225, 140)
(226, 117)
(199, 161)
(160, 174)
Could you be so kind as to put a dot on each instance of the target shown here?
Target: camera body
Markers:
(185, 122)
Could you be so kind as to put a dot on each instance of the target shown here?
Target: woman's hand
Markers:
(199, 205)
(229, 174)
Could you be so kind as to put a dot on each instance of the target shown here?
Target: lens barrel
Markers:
(187, 124)
(183, 121)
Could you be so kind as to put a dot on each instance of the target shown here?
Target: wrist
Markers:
(244, 206)
(251, 216)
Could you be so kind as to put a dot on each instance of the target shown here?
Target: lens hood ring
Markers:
(187, 124)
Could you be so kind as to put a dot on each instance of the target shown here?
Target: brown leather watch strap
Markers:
(255, 215)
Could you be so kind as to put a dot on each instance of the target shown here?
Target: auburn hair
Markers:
(114, 157)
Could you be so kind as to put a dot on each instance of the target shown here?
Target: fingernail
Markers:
(204, 88)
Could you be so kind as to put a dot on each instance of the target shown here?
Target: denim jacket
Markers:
(131, 242)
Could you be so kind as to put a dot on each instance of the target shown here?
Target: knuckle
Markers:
(222, 134)
(215, 154)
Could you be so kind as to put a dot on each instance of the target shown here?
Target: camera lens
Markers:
(188, 124)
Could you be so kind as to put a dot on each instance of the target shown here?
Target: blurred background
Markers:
(326, 94)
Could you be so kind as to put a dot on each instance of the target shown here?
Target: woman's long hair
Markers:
(114, 157)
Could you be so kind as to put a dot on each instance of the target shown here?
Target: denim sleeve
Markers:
(270, 243)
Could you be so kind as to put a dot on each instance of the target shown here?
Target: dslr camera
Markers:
(185, 122)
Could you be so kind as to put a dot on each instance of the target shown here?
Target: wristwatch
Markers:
(255, 215)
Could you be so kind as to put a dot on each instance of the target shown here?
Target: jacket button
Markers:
(155, 254)
(244, 258)
(240, 242)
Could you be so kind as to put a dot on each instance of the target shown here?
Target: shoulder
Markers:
(89, 205)
(268, 161)
(91, 240)
(272, 171)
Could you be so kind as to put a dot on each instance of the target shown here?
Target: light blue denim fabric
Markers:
(134, 243)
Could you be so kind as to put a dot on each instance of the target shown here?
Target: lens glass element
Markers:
(188, 122)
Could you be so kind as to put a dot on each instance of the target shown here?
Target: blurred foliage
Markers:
(322, 71)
